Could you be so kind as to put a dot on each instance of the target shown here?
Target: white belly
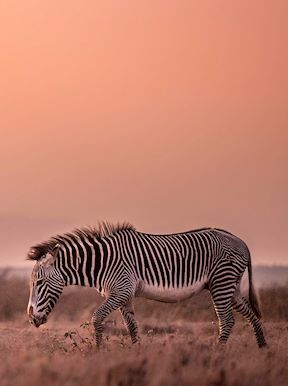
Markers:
(169, 295)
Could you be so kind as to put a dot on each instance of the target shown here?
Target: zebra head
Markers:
(46, 286)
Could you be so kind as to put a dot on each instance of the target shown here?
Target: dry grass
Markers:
(187, 355)
(178, 344)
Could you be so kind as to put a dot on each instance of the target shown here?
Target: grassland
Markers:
(178, 344)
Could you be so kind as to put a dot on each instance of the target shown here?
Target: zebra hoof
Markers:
(263, 345)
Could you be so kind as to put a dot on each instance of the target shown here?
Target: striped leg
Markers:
(222, 300)
(226, 320)
(242, 305)
(127, 312)
(112, 303)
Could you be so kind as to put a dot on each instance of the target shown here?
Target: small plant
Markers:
(78, 341)
(85, 325)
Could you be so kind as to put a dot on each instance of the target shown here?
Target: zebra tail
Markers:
(253, 298)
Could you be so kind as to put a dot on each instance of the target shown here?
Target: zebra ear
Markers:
(49, 258)
(47, 261)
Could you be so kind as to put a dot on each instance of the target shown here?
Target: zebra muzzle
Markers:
(36, 320)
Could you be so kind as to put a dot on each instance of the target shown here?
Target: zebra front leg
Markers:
(128, 314)
(242, 305)
(112, 303)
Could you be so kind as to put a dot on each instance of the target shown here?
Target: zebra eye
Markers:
(40, 281)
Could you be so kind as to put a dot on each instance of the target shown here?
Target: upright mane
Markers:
(101, 230)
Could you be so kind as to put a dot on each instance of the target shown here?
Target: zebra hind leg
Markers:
(242, 305)
(111, 304)
(127, 312)
(223, 308)
(226, 321)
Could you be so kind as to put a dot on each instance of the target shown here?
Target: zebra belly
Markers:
(169, 295)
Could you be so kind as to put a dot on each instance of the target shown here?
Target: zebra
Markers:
(123, 263)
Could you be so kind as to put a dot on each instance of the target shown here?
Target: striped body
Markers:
(122, 263)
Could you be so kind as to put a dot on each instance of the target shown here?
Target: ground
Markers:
(178, 347)
(183, 353)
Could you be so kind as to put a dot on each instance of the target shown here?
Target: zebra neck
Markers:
(87, 270)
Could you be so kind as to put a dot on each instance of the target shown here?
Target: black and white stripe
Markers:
(123, 263)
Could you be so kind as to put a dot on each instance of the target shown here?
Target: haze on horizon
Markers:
(169, 115)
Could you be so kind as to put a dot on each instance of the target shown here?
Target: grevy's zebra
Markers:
(123, 263)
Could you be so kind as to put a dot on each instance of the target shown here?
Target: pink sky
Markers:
(171, 115)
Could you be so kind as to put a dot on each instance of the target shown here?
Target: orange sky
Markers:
(169, 114)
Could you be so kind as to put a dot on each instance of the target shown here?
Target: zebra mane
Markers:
(101, 230)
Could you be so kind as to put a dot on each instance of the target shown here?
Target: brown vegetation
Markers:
(178, 343)
(78, 303)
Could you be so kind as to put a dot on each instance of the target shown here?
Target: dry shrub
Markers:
(78, 303)
(14, 292)
(274, 302)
